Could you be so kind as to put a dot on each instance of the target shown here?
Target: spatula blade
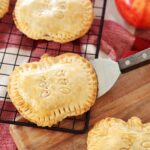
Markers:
(107, 72)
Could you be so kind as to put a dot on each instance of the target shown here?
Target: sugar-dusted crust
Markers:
(54, 88)
(60, 21)
(115, 134)
(4, 5)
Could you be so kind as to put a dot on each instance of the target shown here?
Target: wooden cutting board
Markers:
(130, 96)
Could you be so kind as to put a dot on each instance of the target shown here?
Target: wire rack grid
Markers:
(16, 49)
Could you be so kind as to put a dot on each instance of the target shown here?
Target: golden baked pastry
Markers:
(57, 20)
(4, 5)
(115, 134)
(54, 88)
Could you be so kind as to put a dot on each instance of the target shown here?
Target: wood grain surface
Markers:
(130, 96)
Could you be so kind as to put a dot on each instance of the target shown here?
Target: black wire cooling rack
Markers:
(15, 49)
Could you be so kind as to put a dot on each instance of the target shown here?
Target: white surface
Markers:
(113, 14)
(107, 72)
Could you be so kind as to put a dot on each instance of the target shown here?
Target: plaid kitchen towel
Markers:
(6, 142)
(119, 40)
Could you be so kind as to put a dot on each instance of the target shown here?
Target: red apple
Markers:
(135, 12)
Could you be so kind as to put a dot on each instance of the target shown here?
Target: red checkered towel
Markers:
(6, 142)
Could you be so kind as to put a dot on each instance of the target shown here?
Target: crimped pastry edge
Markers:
(60, 38)
(59, 114)
(134, 122)
(4, 6)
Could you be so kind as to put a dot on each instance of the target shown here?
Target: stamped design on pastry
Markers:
(54, 88)
(45, 92)
(119, 135)
(59, 11)
(57, 20)
(61, 81)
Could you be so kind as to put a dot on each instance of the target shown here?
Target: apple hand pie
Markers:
(115, 134)
(57, 20)
(54, 88)
(4, 5)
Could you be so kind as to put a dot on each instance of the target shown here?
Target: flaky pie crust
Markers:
(115, 134)
(60, 21)
(54, 88)
(4, 5)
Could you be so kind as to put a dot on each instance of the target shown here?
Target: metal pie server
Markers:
(108, 71)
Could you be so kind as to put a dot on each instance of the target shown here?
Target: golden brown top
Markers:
(54, 87)
(54, 19)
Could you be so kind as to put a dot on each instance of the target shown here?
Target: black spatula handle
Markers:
(137, 60)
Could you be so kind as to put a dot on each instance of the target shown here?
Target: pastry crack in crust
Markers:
(54, 88)
(60, 21)
(4, 5)
(115, 134)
